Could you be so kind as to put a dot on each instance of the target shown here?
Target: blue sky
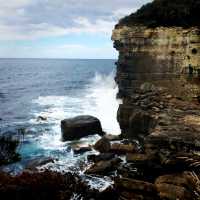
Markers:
(61, 28)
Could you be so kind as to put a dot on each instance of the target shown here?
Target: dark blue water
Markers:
(55, 89)
(23, 80)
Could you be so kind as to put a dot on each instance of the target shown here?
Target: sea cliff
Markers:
(158, 73)
(162, 59)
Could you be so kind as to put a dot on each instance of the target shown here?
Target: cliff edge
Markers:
(158, 75)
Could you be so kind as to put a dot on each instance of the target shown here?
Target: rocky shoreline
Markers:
(161, 163)
(157, 155)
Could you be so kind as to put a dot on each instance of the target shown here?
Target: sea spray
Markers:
(102, 103)
(97, 98)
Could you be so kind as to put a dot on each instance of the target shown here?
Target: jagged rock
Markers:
(176, 186)
(178, 162)
(38, 162)
(119, 148)
(81, 150)
(141, 123)
(104, 167)
(103, 145)
(101, 157)
(169, 142)
(142, 166)
(42, 118)
(47, 185)
(135, 189)
(8, 150)
(147, 87)
(81, 126)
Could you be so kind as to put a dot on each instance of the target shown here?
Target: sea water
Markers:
(55, 89)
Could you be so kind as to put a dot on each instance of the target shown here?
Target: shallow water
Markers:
(55, 89)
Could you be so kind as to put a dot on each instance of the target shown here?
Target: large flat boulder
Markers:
(79, 127)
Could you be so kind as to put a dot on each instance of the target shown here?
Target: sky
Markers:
(61, 28)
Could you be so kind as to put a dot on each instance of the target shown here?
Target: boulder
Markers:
(103, 145)
(81, 150)
(42, 118)
(119, 148)
(8, 150)
(135, 189)
(38, 162)
(101, 157)
(79, 127)
(104, 167)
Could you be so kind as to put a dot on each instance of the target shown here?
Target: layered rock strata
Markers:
(158, 73)
(154, 60)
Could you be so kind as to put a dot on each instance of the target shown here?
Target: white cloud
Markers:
(35, 31)
(25, 20)
(12, 4)
(30, 19)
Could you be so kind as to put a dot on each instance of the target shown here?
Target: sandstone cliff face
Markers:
(158, 53)
(165, 60)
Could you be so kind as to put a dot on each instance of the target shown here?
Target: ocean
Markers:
(55, 89)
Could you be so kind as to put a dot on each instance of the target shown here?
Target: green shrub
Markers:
(183, 13)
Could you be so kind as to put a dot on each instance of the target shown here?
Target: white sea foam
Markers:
(99, 100)
(102, 103)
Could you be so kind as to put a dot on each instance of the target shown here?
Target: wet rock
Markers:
(176, 186)
(81, 150)
(43, 186)
(38, 162)
(79, 127)
(42, 118)
(119, 148)
(135, 189)
(101, 157)
(103, 145)
(8, 150)
(104, 167)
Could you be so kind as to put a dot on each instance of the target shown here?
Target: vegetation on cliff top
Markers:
(183, 13)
